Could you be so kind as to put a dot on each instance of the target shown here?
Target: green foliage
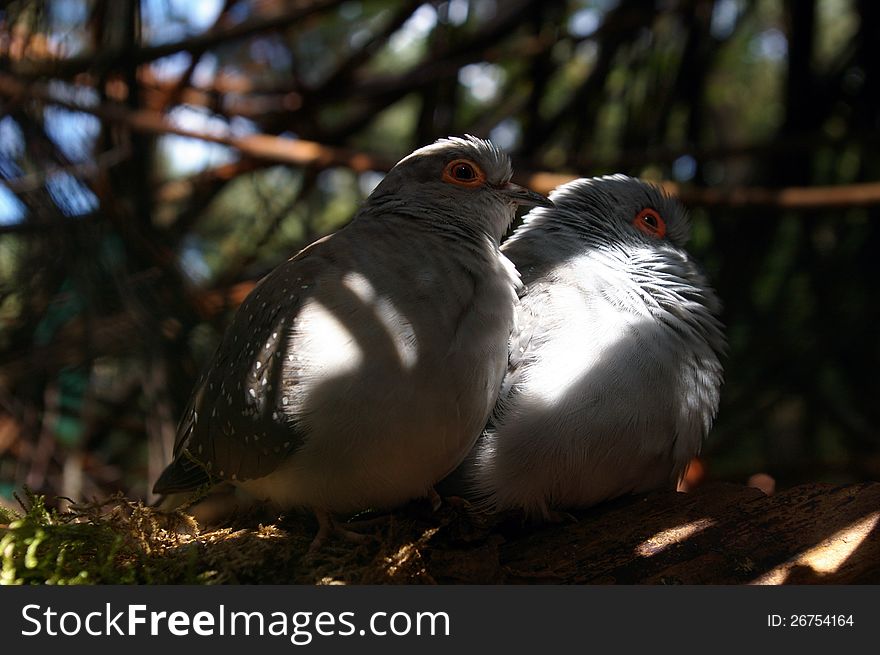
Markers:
(7, 515)
(87, 545)
(40, 548)
(120, 541)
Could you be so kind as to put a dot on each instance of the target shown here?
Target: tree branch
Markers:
(66, 68)
(309, 153)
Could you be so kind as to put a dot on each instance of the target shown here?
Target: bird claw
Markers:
(434, 498)
(327, 527)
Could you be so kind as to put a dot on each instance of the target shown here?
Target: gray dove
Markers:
(362, 370)
(614, 373)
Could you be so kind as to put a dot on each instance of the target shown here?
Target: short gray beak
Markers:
(525, 197)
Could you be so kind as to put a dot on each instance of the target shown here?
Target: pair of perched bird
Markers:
(405, 346)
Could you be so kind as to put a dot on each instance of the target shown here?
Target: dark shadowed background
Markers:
(157, 157)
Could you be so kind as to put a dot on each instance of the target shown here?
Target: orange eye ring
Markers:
(464, 172)
(649, 221)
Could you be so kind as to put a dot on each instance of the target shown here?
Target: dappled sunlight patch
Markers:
(233, 555)
(826, 557)
(408, 553)
(672, 537)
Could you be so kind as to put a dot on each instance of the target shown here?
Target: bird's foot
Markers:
(328, 527)
(455, 502)
(434, 498)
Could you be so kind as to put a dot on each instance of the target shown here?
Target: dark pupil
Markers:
(464, 172)
(650, 220)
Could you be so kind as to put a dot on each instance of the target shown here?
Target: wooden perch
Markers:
(719, 534)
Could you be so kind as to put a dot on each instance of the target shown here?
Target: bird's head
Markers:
(614, 211)
(459, 181)
(630, 233)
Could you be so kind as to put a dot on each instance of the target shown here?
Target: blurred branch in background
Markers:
(159, 156)
(298, 152)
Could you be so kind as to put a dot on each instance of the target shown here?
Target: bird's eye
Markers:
(651, 223)
(463, 173)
